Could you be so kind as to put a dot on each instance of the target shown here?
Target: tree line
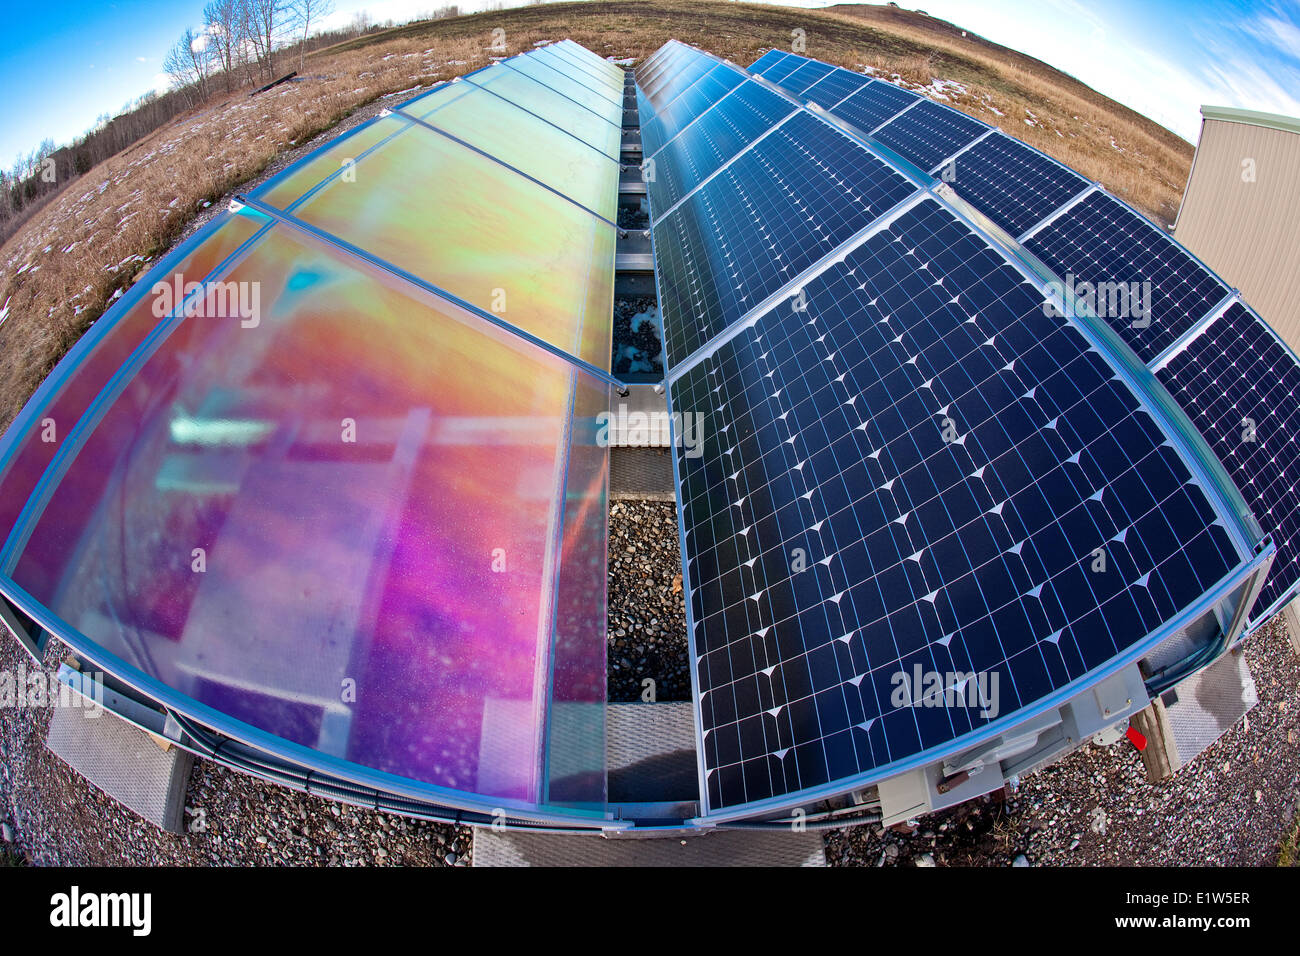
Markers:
(241, 44)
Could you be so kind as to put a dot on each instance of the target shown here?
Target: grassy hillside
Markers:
(63, 268)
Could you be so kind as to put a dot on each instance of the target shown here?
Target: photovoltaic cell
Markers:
(1100, 240)
(690, 105)
(1013, 184)
(808, 74)
(767, 61)
(779, 70)
(1241, 388)
(914, 472)
(873, 104)
(349, 552)
(834, 87)
(786, 202)
(929, 133)
(702, 148)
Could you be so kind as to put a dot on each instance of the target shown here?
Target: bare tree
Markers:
(188, 64)
(224, 27)
(265, 21)
(304, 13)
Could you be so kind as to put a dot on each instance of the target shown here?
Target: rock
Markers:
(1021, 860)
(6, 835)
(925, 859)
(450, 859)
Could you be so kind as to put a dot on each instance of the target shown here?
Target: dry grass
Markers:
(63, 268)
(1289, 853)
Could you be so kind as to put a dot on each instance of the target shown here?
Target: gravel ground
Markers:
(1231, 806)
(647, 614)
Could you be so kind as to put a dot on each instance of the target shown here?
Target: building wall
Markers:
(1248, 232)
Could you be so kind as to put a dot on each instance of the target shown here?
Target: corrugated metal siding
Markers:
(1248, 232)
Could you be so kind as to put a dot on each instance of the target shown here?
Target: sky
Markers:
(66, 63)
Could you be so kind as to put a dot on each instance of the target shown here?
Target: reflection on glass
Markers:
(343, 524)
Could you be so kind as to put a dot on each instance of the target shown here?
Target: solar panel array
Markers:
(959, 553)
(909, 460)
(1240, 385)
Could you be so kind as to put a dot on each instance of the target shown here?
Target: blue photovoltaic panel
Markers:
(778, 71)
(1099, 239)
(804, 77)
(942, 460)
(689, 106)
(873, 104)
(702, 149)
(767, 60)
(661, 85)
(1015, 185)
(929, 133)
(834, 87)
(1233, 376)
(786, 202)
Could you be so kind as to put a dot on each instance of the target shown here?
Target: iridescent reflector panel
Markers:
(327, 480)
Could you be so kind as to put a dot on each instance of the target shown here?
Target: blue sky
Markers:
(67, 62)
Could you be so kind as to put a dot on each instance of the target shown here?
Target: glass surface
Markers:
(613, 77)
(525, 142)
(97, 357)
(579, 73)
(349, 525)
(442, 212)
(575, 758)
(552, 107)
(550, 74)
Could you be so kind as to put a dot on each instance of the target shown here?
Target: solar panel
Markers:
(1101, 240)
(549, 74)
(293, 474)
(550, 106)
(1015, 185)
(767, 61)
(688, 107)
(703, 147)
(929, 133)
(805, 76)
(911, 475)
(783, 204)
(579, 74)
(1240, 387)
(873, 104)
(779, 70)
(834, 87)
